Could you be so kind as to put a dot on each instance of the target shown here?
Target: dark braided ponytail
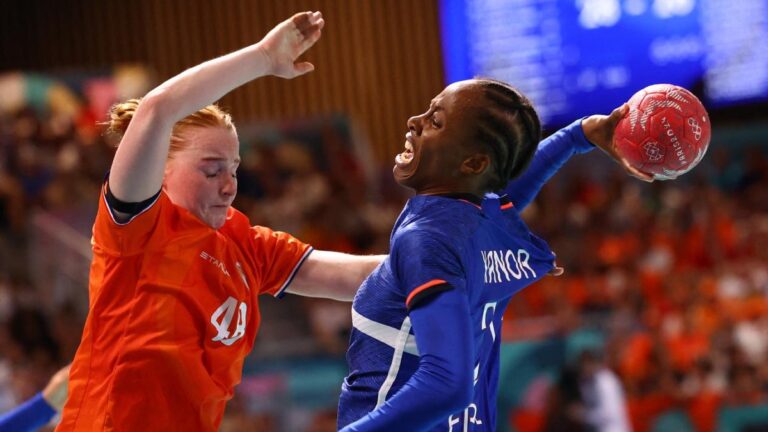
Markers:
(510, 128)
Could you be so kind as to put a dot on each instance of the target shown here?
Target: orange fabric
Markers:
(173, 313)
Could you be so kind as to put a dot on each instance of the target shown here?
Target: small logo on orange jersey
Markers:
(206, 256)
(242, 274)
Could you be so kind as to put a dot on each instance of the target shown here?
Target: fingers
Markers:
(309, 26)
(308, 23)
(636, 172)
(307, 29)
(310, 39)
(557, 271)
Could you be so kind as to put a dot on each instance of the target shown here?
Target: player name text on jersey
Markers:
(503, 265)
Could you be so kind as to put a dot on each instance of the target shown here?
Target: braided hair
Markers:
(510, 129)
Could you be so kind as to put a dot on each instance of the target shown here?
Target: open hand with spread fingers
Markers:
(289, 40)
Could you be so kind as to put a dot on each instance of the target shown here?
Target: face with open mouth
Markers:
(436, 142)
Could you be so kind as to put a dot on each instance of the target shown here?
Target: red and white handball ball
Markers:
(665, 132)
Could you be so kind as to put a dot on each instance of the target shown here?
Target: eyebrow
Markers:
(219, 159)
(433, 106)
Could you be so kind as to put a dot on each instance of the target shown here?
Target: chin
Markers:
(214, 222)
(402, 177)
(217, 222)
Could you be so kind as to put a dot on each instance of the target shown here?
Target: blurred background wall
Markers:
(378, 61)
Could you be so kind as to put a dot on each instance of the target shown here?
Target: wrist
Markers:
(262, 62)
(582, 136)
(588, 125)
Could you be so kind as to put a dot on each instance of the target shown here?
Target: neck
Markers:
(447, 190)
(474, 199)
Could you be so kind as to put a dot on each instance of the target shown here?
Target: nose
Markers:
(229, 186)
(414, 124)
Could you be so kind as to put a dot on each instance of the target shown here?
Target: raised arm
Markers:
(579, 137)
(333, 275)
(138, 167)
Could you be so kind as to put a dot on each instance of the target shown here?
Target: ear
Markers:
(475, 164)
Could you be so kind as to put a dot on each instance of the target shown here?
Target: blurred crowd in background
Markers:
(671, 276)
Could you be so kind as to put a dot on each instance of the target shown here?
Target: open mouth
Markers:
(406, 157)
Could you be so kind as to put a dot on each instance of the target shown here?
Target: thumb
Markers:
(619, 113)
(303, 68)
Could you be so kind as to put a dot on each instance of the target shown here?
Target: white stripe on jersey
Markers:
(383, 333)
(293, 272)
(394, 367)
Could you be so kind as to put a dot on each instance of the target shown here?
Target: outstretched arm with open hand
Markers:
(138, 166)
(580, 136)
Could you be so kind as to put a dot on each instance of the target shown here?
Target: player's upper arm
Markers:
(139, 164)
(427, 262)
(278, 257)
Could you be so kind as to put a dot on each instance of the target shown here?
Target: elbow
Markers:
(459, 393)
(158, 104)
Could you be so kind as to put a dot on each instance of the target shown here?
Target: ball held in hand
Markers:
(665, 133)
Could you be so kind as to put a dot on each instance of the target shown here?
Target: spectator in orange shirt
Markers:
(177, 271)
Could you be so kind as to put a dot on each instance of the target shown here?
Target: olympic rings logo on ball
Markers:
(695, 128)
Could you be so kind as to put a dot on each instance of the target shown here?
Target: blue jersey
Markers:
(487, 253)
(29, 416)
(483, 254)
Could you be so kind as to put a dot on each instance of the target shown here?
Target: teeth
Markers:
(408, 146)
(404, 158)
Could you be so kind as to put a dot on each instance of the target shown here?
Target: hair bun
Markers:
(120, 116)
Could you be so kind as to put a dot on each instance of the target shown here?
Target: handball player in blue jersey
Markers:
(424, 349)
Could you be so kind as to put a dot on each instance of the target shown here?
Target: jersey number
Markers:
(222, 320)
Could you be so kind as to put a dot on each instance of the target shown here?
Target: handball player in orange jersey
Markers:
(177, 272)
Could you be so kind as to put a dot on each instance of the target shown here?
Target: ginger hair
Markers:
(121, 114)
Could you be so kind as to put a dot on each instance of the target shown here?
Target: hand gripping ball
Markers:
(665, 133)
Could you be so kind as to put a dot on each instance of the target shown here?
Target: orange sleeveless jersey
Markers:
(173, 313)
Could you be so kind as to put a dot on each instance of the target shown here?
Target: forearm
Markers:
(333, 275)
(29, 416)
(550, 156)
(201, 85)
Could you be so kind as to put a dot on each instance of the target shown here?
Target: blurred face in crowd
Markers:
(436, 147)
(201, 176)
